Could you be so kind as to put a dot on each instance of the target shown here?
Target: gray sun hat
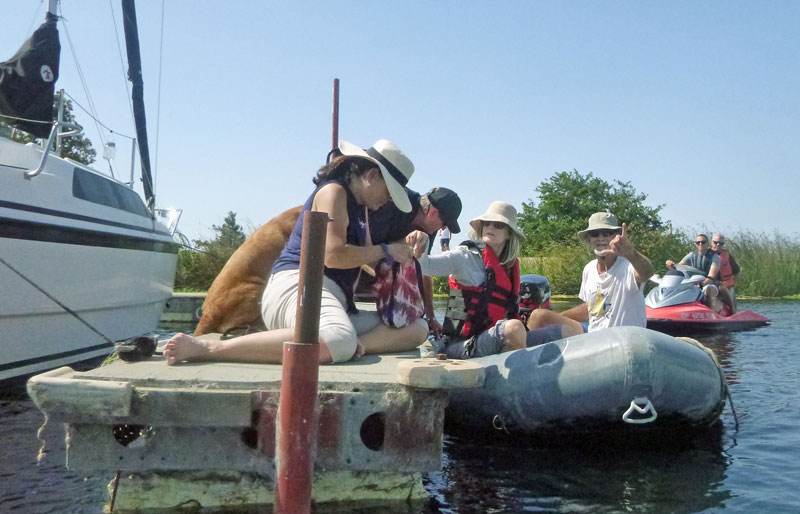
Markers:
(500, 211)
(599, 221)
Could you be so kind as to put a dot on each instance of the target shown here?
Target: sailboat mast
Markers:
(135, 76)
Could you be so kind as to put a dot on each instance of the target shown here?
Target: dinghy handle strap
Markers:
(640, 405)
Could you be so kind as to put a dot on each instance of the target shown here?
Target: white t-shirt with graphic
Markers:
(613, 298)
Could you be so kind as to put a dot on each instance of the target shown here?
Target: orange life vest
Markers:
(725, 268)
(473, 309)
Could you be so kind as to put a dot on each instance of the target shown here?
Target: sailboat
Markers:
(84, 261)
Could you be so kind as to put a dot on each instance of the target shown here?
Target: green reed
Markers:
(770, 263)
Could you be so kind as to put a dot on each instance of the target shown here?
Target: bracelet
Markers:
(389, 258)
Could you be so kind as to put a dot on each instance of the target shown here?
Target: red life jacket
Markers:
(473, 309)
(725, 269)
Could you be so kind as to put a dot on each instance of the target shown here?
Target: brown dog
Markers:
(234, 299)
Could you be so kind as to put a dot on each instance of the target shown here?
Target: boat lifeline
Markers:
(84, 261)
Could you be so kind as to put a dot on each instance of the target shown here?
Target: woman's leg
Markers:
(264, 347)
(385, 339)
(541, 318)
(514, 335)
(280, 300)
(336, 332)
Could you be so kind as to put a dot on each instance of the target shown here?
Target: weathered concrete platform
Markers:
(183, 308)
(198, 420)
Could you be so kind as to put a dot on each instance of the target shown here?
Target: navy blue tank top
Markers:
(356, 235)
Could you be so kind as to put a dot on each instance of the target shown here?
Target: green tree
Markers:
(229, 234)
(78, 147)
(198, 268)
(567, 199)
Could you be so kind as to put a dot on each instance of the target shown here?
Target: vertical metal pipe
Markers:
(335, 122)
(60, 119)
(297, 411)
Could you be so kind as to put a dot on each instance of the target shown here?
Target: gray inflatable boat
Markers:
(625, 378)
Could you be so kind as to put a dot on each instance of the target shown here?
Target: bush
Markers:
(197, 268)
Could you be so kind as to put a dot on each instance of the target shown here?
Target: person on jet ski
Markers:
(706, 260)
(728, 267)
(612, 285)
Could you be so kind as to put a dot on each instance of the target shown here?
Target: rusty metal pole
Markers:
(297, 430)
(335, 122)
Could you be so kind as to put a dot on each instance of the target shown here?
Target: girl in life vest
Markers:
(482, 315)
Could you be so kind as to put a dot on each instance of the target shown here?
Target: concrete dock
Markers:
(206, 432)
(183, 308)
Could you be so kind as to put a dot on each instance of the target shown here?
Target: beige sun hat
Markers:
(498, 211)
(395, 167)
(599, 221)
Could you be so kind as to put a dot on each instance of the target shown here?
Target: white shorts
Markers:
(339, 330)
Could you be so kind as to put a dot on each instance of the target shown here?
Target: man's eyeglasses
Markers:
(720, 243)
(701, 242)
(499, 225)
(602, 232)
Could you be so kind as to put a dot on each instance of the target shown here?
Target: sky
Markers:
(696, 104)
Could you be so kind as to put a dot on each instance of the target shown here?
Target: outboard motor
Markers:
(534, 293)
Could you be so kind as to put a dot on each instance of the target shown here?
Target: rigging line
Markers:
(25, 119)
(121, 59)
(158, 103)
(36, 16)
(97, 120)
(80, 74)
(70, 311)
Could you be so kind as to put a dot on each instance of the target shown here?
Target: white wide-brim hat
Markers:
(395, 167)
(500, 211)
(599, 221)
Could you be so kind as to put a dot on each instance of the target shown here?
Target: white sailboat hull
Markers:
(112, 267)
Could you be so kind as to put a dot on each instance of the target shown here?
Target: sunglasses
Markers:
(602, 232)
(720, 243)
(499, 225)
(700, 242)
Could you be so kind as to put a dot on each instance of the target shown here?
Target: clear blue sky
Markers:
(697, 104)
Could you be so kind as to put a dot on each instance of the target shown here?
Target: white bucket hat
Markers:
(395, 167)
(599, 221)
(500, 211)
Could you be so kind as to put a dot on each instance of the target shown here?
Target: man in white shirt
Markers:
(613, 284)
(444, 238)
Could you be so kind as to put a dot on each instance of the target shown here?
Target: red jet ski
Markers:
(675, 306)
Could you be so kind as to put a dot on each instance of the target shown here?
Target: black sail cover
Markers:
(28, 80)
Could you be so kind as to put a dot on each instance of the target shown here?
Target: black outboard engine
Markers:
(534, 293)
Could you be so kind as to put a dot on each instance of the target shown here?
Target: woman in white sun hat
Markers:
(483, 309)
(353, 181)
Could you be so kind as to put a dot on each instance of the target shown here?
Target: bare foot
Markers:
(183, 347)
(359, 351)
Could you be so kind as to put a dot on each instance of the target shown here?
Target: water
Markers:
(753, 469)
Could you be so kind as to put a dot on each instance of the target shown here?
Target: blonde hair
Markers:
(510, 248)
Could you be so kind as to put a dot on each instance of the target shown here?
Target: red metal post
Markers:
(297, 411)
(335, 127)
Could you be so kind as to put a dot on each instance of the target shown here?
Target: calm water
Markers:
(753, 469)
